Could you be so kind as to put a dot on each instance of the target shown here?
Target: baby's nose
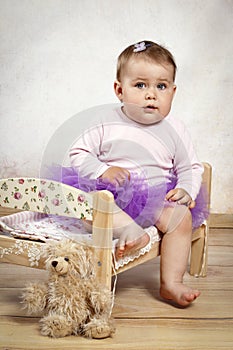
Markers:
(54, 263)
(151, 94)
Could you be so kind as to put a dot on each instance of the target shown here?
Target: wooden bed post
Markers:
(199, 251)
(102, 235)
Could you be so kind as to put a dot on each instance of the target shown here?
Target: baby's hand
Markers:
(180, 196)
(116, 175)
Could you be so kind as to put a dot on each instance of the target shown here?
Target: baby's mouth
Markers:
(150, 108)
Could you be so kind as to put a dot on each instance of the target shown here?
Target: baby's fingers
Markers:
(185, 199)
(181, 197)
(122, 176)
(174, 195)
(170, 195)
(192, 204)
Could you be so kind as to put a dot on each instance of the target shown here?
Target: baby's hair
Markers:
(147, 50)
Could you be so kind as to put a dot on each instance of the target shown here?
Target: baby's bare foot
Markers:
(179, 293)
(128, 246)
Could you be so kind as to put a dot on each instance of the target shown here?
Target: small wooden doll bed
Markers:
(36, 199)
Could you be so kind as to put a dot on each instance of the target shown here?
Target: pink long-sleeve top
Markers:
(155, 152)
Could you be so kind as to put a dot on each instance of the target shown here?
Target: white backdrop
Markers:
(58, 58)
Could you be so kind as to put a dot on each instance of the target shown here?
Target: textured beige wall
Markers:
(58, 58)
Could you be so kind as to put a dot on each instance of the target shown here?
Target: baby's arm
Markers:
(187, 167)
(85, 153)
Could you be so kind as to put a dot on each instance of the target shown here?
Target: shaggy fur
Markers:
(72, 301)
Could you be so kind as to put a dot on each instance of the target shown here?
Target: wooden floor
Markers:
(143, 320)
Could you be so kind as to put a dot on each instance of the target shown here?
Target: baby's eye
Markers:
(161, 86)
(140, 85)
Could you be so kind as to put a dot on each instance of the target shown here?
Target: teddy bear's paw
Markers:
(56, 326)
(34, 298)
(99, 328)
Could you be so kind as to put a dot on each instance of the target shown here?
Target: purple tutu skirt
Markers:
(142, 202)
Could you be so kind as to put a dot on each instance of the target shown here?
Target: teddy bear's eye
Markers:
(66, 259)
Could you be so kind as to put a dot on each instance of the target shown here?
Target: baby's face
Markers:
(146, 90)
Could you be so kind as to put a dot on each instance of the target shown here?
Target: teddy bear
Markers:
(72, 301)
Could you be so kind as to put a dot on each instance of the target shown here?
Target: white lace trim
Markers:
(154, 237)
(29, 250)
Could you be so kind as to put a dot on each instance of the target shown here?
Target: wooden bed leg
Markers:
(102, 235)
(199, 250)
(199, 253)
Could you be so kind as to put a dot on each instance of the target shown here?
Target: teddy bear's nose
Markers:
(54, 263)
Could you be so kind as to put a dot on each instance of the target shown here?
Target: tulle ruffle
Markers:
(142, 202)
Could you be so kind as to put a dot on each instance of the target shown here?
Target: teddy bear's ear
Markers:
(53, 247)
(48, 249)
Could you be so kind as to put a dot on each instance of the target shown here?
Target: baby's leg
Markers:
(131, 236)
(176, 223)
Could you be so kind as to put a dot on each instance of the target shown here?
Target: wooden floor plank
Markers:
(150, 305)
(221, 220)
(223, 237)
(143, 304)
(15, 276)
(146, 334)
(220, 256)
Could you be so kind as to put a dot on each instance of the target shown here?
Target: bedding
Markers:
(26, 228)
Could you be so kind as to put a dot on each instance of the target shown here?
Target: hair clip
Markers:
(142, 46)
